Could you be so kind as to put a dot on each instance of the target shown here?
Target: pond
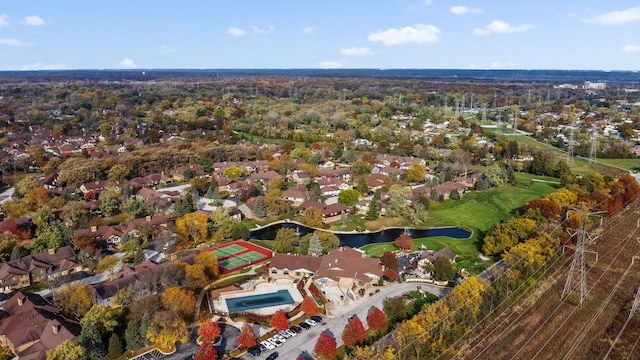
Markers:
(359, 239)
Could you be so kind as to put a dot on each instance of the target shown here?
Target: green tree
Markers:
(398, 196)
(328, 240)
(543, 163)
(109, 201)
(96, 326)
(348, 197)
(118, 173)
(444, 269)
(315, 246)
(259, 210)
(361, 185)
(372, 213)
(134, 207)
(185, 205)
(115, 347)
(285, 237)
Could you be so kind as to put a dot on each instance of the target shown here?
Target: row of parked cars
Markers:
(281, 337)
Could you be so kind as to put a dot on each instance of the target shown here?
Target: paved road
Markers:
(334, 323)
(6, 195)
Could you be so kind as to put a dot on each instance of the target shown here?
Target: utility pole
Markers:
(577, 279)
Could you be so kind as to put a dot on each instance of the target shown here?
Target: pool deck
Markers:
(264, 287)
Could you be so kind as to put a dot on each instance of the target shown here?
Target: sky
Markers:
(256, 34)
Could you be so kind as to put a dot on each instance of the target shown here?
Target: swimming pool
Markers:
(244, 303)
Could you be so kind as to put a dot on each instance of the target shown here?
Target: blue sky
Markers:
(429, 34)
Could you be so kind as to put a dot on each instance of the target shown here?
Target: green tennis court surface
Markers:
(239, 260)
(228, 250)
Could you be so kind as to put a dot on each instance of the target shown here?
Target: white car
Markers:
(275, 342)
(268, 345)
(280, 338)
(291, 332)
(285, 333)
(311, 322)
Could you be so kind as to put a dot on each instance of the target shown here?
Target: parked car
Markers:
(280, 338)
(275, 341)
(291, 332)
(254, 350)
(311, 322)
(262, 347)
(285, 333)
(268, 344)
(296, 329)
(304, 325)
(316, 318)
(272, 356)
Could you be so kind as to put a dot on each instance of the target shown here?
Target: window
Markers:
(286, 272)
(298, 273)
(274, 271)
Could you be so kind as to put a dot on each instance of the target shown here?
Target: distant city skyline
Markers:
(253, 34)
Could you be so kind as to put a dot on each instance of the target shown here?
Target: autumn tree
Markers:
(210, 263)
(389, 260)
(377, 320)
(109, 263)
(74, 299)
(166, 328)
(179, 301)
(313, 218)
(247, 337)
(232, 172)
(192, 227)
(390, 274)
(279, 320)
(415, 173)
(325, 347)
(206, 352)
(68, 350)
(404, 241)
(37, 197)
(354, 333)
(328, 240)
(308, 306)
(209, 330)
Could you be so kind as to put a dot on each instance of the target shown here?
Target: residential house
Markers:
(31, 269)
(30, 326)
(431, 256)
(345, 268)
(96, 187)
(296, 195)
(138, 278)
(330, 213)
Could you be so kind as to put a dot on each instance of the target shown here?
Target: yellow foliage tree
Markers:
(179, 301)
(563, 198)
(192, 227)
(166, 328)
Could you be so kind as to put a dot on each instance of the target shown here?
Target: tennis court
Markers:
(242, 259)
(225, 251)
(239, 254)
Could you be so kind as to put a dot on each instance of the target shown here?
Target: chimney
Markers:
(148, 218)
(52, 251)
(20, 300)
(94, 229)
(54, 329)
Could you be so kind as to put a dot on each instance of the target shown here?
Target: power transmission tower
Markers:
(484, 113)
(577, 279)
(594, 136)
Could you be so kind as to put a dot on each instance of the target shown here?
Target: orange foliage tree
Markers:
(206, 352)
(354, 334)
(308, 306)
(179, 301)
(279, 320)
(209, 331)
(325, 347)
(247, 337)
(404, 241)
(377, 320)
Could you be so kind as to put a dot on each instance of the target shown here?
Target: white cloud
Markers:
(461, 9)
(499, 65)
(4, 20)
(127, 63)
(616, 17)
(33, 20)
(501, 27)
(308, 30)
(329, 64)
(631, 48)
(235, 31)
(428, 2)
(421, 33)
(267, 31)
(357, 51)
(14, 42)
(41, 66)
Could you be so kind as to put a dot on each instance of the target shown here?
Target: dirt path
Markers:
(541, 326)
